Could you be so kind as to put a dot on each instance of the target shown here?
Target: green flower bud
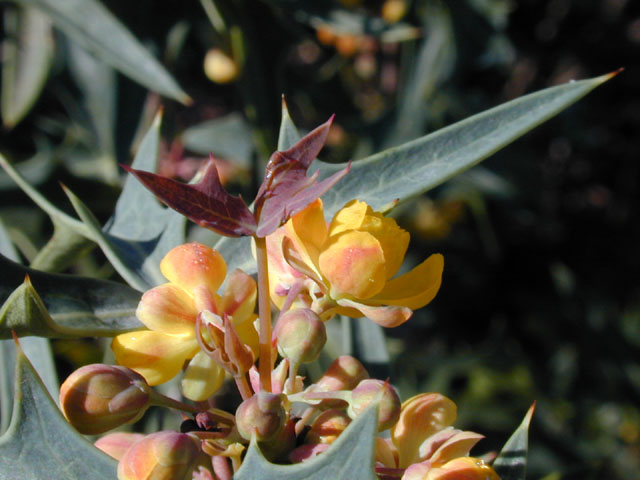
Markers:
(97, 398)
(372, 390)
(301, 335)
(161, 456)
(343, 374)
(262, 414)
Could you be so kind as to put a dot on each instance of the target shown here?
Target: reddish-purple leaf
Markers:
(286, 189)
(206, 203)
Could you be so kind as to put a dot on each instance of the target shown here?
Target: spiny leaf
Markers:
(206, 203)
(350, 457)
(55, 305)
(39, 443)
(286, 189)
(511, 464)
(405, 171)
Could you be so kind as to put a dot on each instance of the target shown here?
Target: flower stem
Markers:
(264, 311)
(243, 387)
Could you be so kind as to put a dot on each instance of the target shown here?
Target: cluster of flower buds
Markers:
(311, 270)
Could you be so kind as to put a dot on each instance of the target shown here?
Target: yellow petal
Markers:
(414, 289)
(307, 230)
(349, 217)
(281, 275)
(247, 333)
(457, 446)
(420, 417)
(202, 378)
(194, 264)
(168, 309)
(353, 264)
(239, 299)
(155, 356)
(357, 215)
(385, 316)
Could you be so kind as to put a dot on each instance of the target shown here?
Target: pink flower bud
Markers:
(116, 444)
(301, 335)
(327, 427)
(97, 398)
(345, 373)
(161, 456)
(262, 414)
(372, 390)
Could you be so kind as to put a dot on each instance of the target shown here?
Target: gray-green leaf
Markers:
(511, 464)
(39, 443)
(94, 28)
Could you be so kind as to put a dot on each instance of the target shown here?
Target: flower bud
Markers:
(219, 67)
(301, 335)
(372, 390)
(161, 456)
(262, 414)
(327, 427)
(97, 398)
(343, 374)
(116, 444)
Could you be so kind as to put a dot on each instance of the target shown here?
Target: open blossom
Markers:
(348, 267)
(425, 445)
(171, 311)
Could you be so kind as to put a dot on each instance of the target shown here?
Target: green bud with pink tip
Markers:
(384, 393)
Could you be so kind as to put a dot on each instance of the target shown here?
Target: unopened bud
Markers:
(163, 455)
(219, 67)
(301, 335)
(345, 373)
(97, 398)
(262, 414)
(372, 390)
(117, 443)
(327, 427)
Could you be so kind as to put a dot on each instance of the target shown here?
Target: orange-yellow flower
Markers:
(424, 443)
(351, 264)
(169, 311)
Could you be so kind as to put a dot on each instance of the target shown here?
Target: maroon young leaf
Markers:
(206, 203)
(286, 189)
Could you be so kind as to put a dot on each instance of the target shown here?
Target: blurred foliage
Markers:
(539, 300)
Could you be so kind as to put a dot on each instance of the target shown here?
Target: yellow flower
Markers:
(427, 447)
(351, 264)
(169, 311)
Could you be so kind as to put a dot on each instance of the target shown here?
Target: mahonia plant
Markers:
(311, 270)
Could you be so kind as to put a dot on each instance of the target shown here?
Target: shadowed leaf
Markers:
(511, 464)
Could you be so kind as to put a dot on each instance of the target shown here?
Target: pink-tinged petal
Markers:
(457, 446)
(155, 356)
(386, 452)
(385, 316)
(117, 443)
(463, 468)
(194, 264)
(239, 299)
(416, 288)
(421, 417)
(282, 276)
(417, 471)
(353, 264)
(168, 309)
(202, 378)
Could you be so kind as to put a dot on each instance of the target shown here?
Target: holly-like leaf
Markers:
(511, 464)
(58, 306)
(39, 443)
(351, 457)
(286, 188)
(206, 203)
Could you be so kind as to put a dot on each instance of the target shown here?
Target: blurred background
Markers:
(540, 298)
